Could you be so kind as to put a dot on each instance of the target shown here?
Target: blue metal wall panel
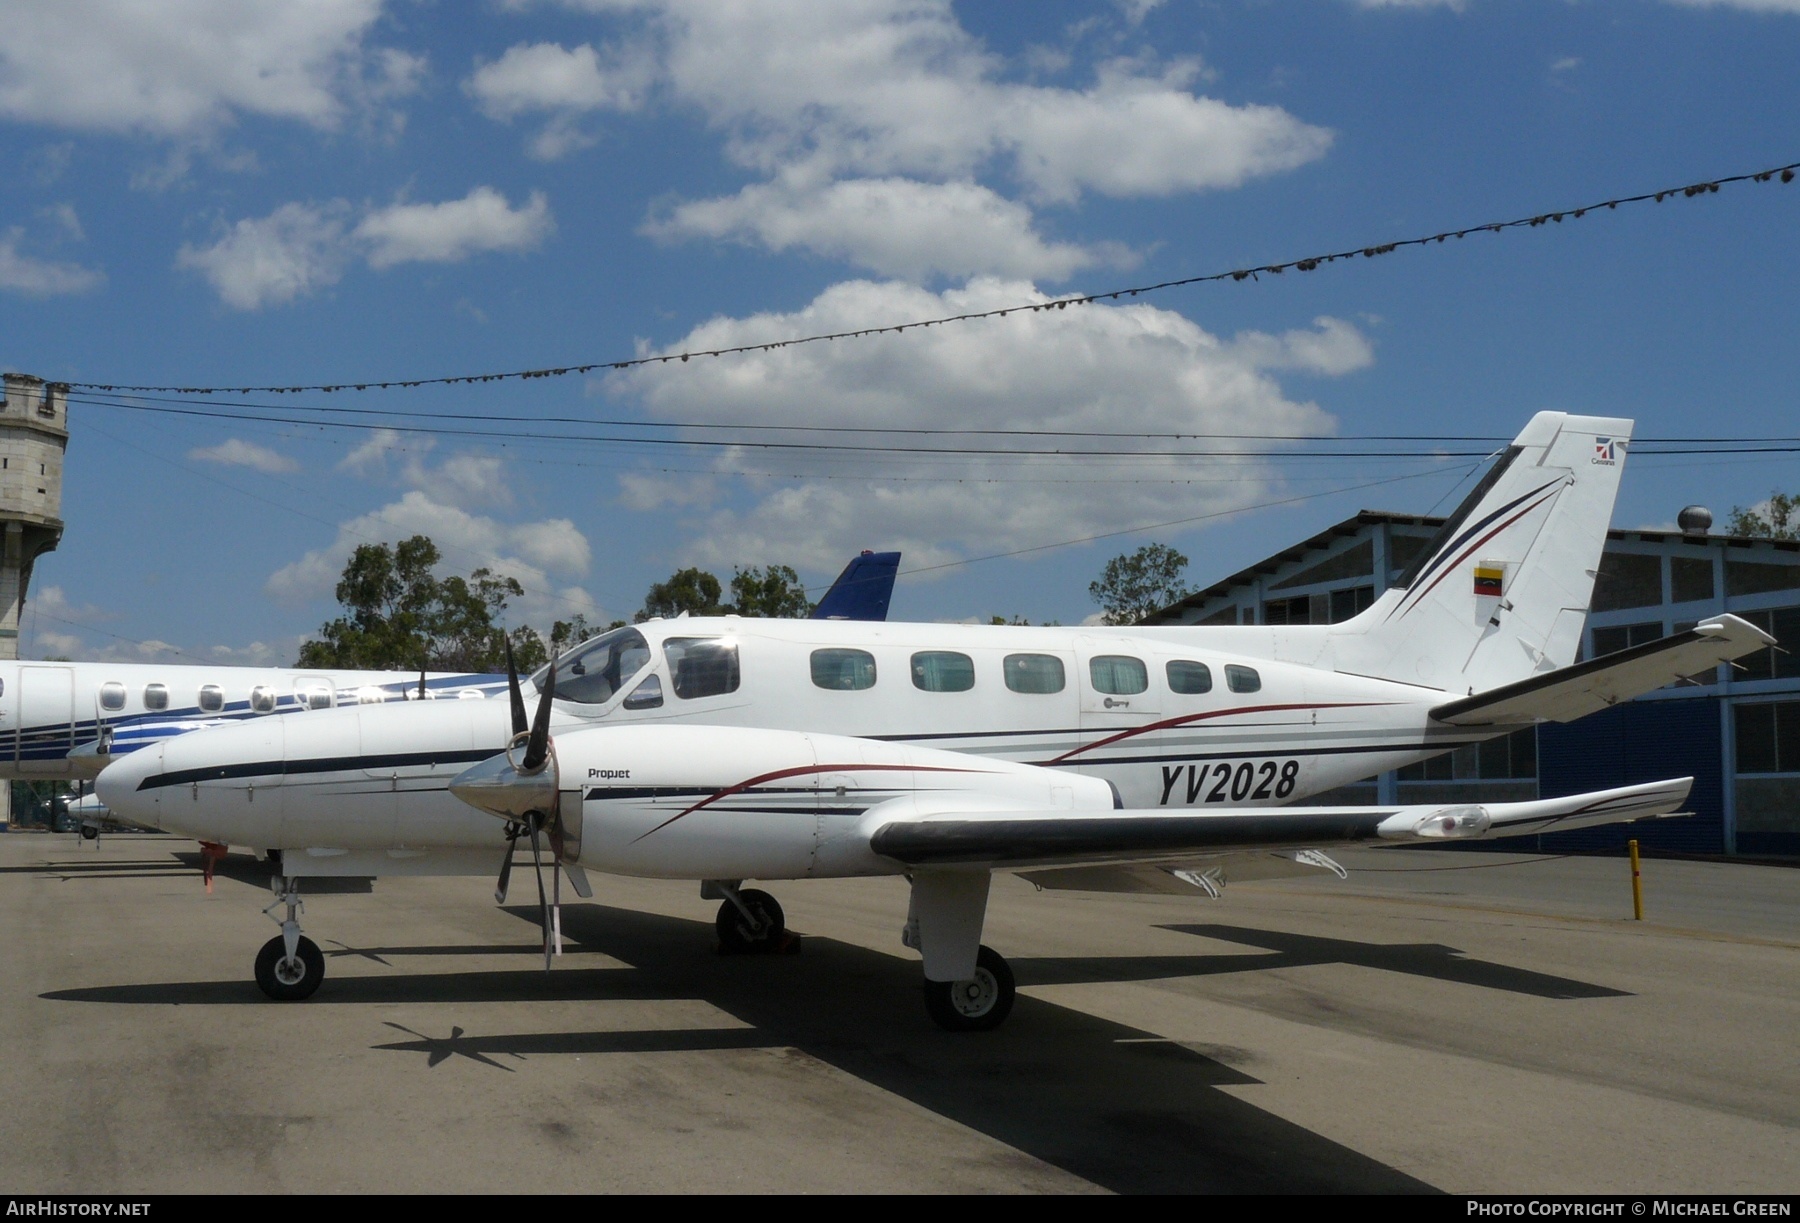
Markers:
(1639, 741)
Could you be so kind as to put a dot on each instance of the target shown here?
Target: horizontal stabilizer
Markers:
(1010, 839)
(1588, 687)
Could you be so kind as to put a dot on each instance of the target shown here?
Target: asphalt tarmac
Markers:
(1469, 1023)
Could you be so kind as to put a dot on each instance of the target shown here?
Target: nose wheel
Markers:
(289, 978)
(750, 922)
(290, 966)
(978, 1004)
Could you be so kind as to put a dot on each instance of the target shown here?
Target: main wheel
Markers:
(288, 980)
(978, 1004)
(736, 934)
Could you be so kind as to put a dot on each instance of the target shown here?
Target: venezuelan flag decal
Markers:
(1489, 577)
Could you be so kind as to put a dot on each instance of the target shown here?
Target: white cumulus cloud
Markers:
(235, 452)
(187, 67)
(35, 277)
(455, 229)
(894, 226)
(1133, 369)
(301, 248)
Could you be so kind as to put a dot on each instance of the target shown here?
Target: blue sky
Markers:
(226, 193)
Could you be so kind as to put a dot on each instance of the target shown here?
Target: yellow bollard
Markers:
(1637, 885)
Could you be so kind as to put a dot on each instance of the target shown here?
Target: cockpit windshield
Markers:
(592, 673)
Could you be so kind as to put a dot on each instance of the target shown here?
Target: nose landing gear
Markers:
(290, 966)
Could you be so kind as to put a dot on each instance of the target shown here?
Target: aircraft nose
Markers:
(121, 784)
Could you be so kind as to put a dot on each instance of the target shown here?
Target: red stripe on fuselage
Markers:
(1185, 719)
(801, 771)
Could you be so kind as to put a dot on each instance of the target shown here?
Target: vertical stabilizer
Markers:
(1502, 592)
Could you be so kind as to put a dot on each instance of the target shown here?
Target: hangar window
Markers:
(156, 696)
(702, 666)
(1781, 660)
(112, 696)
(942, 671)
(1616, 637)
(262, 699)
(1627, 579)
(1035, 673)
(1189, 678)
(1118, 675)
(843, 670)
(1242, 679)
(594, 673)
(212, 698)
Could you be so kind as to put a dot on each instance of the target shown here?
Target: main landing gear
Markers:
(290, 965)
(978, 1004)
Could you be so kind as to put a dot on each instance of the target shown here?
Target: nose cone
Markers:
(121, 785)
(498, 788)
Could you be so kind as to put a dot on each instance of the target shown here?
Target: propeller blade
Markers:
(537, 748)
(421, 683)
(505, 868)
(537, 864)
(512, 689)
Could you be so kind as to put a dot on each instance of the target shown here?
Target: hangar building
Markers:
(1735, 728)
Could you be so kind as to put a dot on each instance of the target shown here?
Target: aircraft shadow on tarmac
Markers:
(1117, 1106)
(1300, 950)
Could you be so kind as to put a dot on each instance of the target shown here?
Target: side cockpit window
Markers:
(702, 666)
(592, 674)
(112, 696)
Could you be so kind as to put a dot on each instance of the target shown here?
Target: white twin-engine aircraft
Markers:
(1116, 759)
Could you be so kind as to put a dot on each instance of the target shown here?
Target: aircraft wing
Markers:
(1588, 687)
(1012, 839)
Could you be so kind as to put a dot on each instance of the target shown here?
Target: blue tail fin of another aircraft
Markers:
(862, 590)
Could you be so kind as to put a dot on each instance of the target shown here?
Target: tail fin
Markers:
(1502, 592)
(862, 590)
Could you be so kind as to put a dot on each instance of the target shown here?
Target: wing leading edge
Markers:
(1049, 838)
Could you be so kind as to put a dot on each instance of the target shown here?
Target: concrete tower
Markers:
(34, 432)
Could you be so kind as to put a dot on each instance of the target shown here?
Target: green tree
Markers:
(774, 593)
(399, 615)
(690, 590)
(1778, 518)
(1131, 587)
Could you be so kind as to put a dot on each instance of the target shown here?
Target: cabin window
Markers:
(1034, 673)
(112, 696)
(1118, 675)
(262, 699)
(843, 670)
(370, 694)
(943, 671)
(1242, 679)
(647, 695)
(156, 696)
(315, 696)
(1189, 678)
(212, 698)
(594, 673)
(702, 666)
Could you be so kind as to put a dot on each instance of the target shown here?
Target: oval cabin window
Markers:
(112, 696)
(156, 696)
(212, 698)
(262, 699)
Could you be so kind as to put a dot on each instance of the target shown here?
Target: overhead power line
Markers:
(1783, 173)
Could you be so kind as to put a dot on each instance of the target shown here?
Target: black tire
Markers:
(89, 833)
(979, 1004)
(735, 934)
(292, 981)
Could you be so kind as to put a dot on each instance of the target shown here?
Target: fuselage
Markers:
(48, 709)
(1166, 717)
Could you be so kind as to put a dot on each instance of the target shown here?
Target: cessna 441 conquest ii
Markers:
(1116, 759)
